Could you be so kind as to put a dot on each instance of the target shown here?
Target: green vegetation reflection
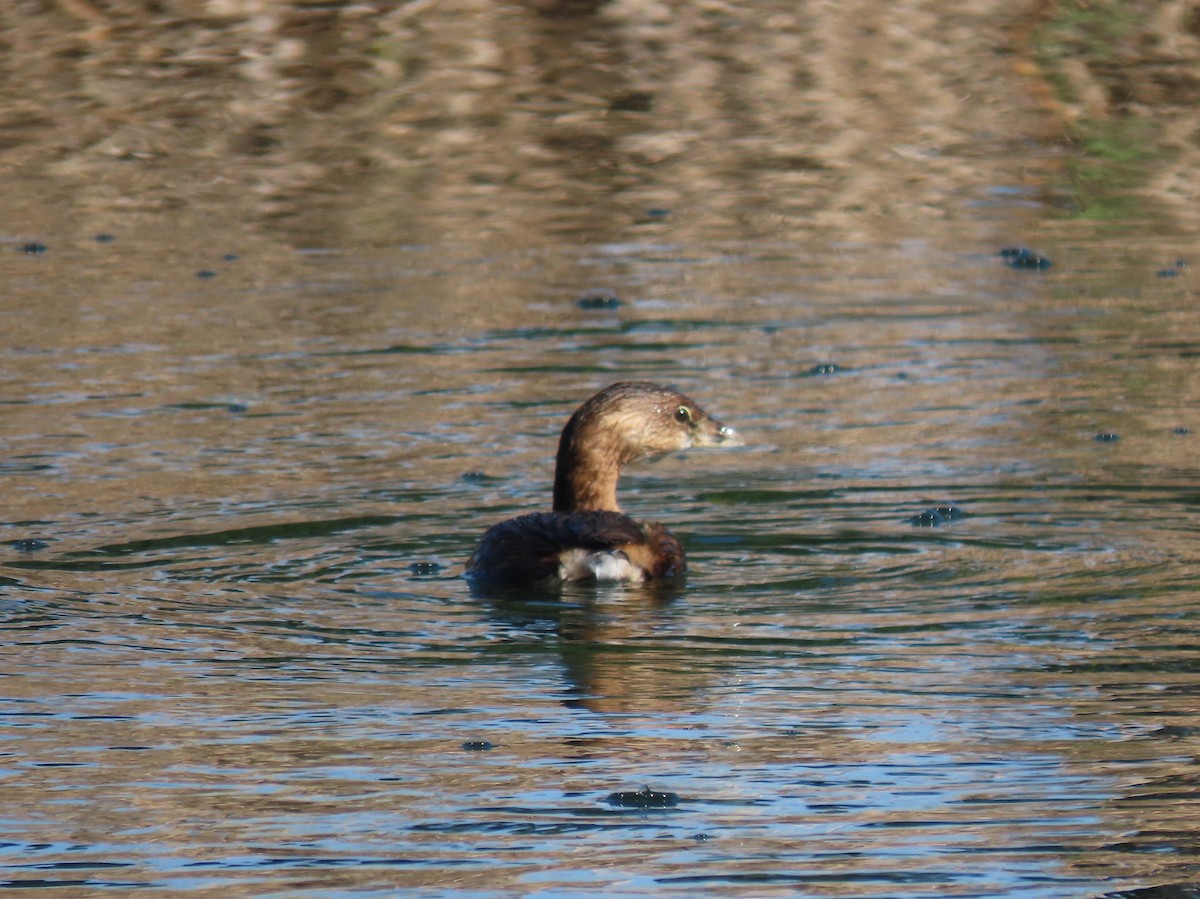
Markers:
(1086, 51)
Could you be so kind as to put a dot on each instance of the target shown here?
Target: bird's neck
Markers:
(586, 473)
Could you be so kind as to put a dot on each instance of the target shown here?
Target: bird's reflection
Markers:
(613, 640)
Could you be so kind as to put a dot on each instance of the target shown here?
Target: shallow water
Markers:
(265, 384)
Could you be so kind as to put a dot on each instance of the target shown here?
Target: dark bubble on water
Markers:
(935, 516)
(824, 368)
(477, 477)
(599, 299)
(1024, 258)
(643, 798)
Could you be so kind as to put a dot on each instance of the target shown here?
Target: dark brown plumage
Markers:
(587, 536)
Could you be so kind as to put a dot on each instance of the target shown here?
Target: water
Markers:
(239, 657)
(245, 660)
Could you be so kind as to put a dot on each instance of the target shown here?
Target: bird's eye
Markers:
(683, 415)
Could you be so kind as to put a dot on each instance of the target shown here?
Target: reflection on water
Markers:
(245, 657)
(240, 655)
(474, 122)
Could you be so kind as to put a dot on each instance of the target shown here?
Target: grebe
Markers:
(587, 536)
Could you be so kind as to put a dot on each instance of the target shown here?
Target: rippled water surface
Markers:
(244, 659)
(289, 320)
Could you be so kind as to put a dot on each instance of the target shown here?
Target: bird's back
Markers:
(599, 545)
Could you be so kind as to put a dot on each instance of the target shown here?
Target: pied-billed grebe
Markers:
(587, 536)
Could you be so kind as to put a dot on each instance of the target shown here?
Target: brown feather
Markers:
(586, 534)
(530, 548)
